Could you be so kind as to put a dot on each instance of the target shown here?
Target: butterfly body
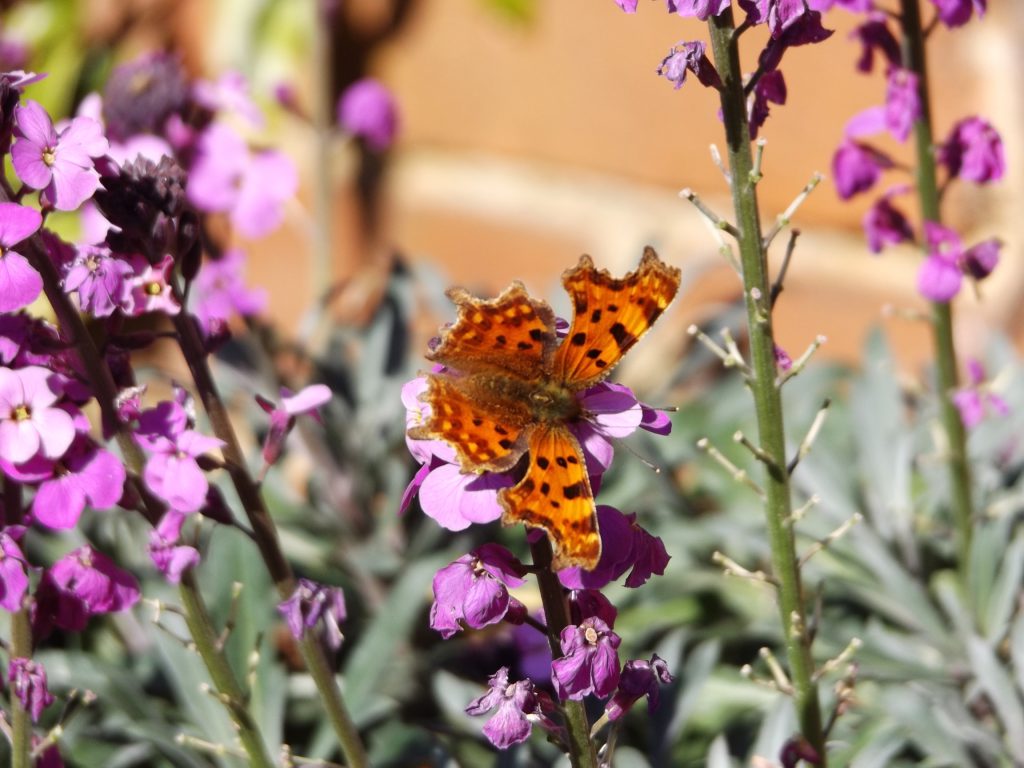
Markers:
(511, 389)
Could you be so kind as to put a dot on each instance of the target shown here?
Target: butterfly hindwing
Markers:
(609, 316)
(555, 496)
(481, 442)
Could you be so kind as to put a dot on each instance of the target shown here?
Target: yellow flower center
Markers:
(591, 635)
(154, 288)
(49, 156)
(21, 413)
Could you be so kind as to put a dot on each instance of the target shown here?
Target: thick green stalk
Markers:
(198, 620)
(265, 534)
(947, 379)
(767, 399)
(556, 613)
(21, 722)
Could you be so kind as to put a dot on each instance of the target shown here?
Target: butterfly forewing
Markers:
(555, 495)
(609, 316)
(512, 334)
(481, 441)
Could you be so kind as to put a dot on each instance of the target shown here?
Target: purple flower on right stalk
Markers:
(974, 151)
(771, 88)
(282, 417)
(59, 164)
(639, 678)
(874, 36)
(976, 400)
(701, 9)
(474, 590)
(20, 284)
(367, 109)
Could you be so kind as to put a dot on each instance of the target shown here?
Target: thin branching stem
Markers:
(767, 398)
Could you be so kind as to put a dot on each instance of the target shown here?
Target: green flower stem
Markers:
(196, 617)
(767, 400)
(21, 722)
(556, 613)
(265, 535)
(912, 47)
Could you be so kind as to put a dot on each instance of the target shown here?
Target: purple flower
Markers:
(974, 400)
(702, 9)
(474, 589)
(956, 13)
(171, 558)
(902, 102)
(884, 224)
(311, 602)
(686, 57)
(367, 109)
(28, 682)
(782, 359)
(856, 167)
(282, 417)
(942, 271)
(219, 291)
(13, 569)
(629, 6)
(81, 584)
(974, 151)
(639, 678)
(624, 545)
(854, 6)
(20, 284)
(519, 706)
(590, 661)
(60, 164)
(591, 604)
(251, 187)
(874, 35)
(102, 281)
(980, 259)
(229, 93)
(770, 88)
(86, 474)
(172, 472)
(790, 22)
(29, 424)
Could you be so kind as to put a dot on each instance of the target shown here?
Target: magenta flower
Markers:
(13, 569)
(20, 284)
(686, 57)
(86, 474)
(624, 546)
(311, 602)
(884, 224)
(639, 678)
(591, 604)
(782, 359)
(474, 589)
(629, 6)
(974, 151)
(771, 88)
(170, 557)
(367, 109)
(82, 584)
(219, 291)
(874, 36)
(956, 13)
(28, 682)
(975, 400)
(29, 422)
(702, 9)
(902, 102)
(519, 705)
(282, 417)
(102, 281)
(251, 187)
(151, 287)
(941, 273)
(60, 164)
(856, 167)
(590, 661)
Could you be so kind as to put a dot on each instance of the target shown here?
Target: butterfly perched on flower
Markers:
(509, 387)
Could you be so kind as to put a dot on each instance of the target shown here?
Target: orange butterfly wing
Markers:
(481, 441)
(512, 335)
(555, 495)
(609, 316)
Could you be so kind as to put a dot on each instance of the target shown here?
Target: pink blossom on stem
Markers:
(590, 661)
(30, 424)
(282, 417)
(519, 705)
(474, 590)
(639, 678)
(20, 284)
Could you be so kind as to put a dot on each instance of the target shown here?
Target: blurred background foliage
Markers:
(938, 679)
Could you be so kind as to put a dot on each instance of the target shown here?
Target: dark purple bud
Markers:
(28, 681)
(770, 88)
(874, 36)
(797, 749)
(639, 678)
(884, 224)
(701, 9)
(979, 260)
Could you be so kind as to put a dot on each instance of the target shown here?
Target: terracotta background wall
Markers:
(524, 145)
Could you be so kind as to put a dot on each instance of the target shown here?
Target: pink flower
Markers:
(171, 558)
(13, 569)
(474, 589)
(367, 110)
(282, 417)
(103, 282)
(81, 584)
(151, 287)
(20, 284)
(974, 151)
(519, 705)
(975, 400)
(590, 661)
(60, 164)
(219, 291)
(29, 424)
(311, 602)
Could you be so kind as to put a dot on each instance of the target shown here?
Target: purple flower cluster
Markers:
(148, 164)
(476, 590)
(972, 151)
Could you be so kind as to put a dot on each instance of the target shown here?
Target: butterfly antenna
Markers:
(647, 462)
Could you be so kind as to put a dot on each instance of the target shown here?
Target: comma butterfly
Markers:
(511, 388)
